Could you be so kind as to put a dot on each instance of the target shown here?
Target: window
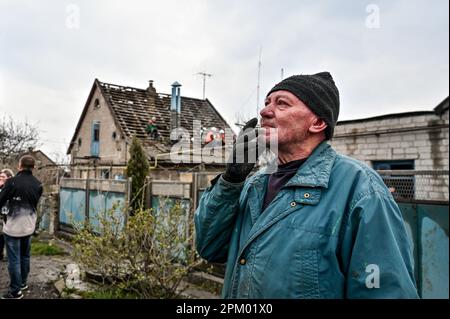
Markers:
(95, 142)
(96, 104)
(401, 185)
(97, 134)
(393, 165)
(104, 173)
(79, 141)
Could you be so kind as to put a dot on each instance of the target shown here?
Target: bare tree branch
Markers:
(16, 137)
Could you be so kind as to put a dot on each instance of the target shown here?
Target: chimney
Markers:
(151, 89)
(175, 106)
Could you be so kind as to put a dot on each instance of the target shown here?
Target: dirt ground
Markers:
(44, 271)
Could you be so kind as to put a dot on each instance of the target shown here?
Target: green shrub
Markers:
(148, 255)
(137, 169)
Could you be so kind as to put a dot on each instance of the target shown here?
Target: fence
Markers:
(423, 200)
(82, 200)
(413, 186)
(188, 192)
(422, 196)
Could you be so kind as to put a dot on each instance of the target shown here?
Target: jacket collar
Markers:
(315, 172)
(24, 172)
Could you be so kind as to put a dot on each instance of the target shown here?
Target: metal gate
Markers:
(82, 200)
(423, 198)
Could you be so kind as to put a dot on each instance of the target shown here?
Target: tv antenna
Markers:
(204, 81)
(258, 85)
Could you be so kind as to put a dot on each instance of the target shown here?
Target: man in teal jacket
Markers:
(322, 226)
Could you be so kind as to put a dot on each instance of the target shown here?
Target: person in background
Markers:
(152, 128)
(5, 174)
(22, 192)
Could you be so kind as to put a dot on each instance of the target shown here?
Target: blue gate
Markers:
(423, 198)
(82, 201)
(427, 225)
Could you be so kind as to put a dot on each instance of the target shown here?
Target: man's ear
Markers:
(318, 125)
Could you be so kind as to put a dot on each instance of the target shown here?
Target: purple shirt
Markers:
(278, 179)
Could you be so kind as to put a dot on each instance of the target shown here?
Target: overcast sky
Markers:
(385, 56)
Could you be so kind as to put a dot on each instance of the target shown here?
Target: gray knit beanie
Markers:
(318, 92)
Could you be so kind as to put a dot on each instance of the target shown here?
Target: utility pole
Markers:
(258, 85)
(204, 81)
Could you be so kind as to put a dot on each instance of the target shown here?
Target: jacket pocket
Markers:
(308, 261)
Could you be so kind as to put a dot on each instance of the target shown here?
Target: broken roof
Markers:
(132, 108)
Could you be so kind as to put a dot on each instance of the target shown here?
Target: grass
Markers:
(108, 293)
(69, 290)
(105, 292)
(39, 248)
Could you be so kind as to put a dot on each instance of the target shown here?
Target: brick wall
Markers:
(383, 139)
(428, 148)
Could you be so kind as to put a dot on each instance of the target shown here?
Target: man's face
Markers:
(3, 179)
(288, 115)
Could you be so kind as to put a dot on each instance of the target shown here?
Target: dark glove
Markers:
(239, 165)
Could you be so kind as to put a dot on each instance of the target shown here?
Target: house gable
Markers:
(111, 145)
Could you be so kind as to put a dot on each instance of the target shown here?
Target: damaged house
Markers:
(113, 114)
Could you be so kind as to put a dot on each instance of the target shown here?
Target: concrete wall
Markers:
(94, 171)
(183, 174)
(47, 213)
